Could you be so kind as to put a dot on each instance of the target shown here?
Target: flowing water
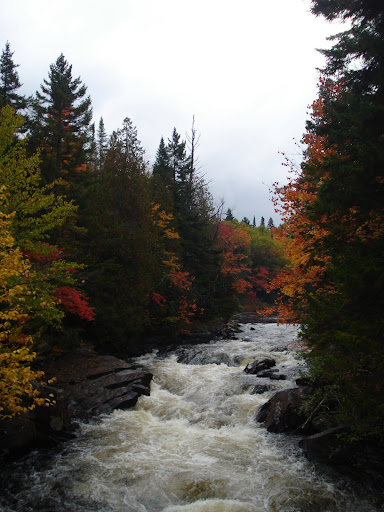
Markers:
(192, 446)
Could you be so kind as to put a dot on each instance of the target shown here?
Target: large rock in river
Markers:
(282, 412)
(259, 365)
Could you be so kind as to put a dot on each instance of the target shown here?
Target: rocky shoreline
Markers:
(320, 441)
(86, 385)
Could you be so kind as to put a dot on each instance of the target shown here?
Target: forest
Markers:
(101, 248)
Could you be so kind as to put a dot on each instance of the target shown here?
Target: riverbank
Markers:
(87, 384)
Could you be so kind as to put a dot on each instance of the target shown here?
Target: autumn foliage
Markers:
(333, 237)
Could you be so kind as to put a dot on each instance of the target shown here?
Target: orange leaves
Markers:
(181, 280)
(304, 235)
(233, 242)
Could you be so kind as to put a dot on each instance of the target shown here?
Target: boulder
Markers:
(281, 413)
(259, 365)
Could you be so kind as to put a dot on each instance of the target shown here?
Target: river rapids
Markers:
(191, 446)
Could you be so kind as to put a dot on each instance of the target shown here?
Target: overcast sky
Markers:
(246, 70)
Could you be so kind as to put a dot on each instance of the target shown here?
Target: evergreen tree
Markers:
(262, 222)
(101, 145)
(62, 116)
(177, 157)
(270, 224)
(246, 221)
(162, 167)
(254, 222)
(9, 81)
(120, 245)
(229, 215)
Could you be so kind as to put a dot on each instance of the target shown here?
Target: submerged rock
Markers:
(259, 389)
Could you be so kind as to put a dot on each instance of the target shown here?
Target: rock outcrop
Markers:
(87, 384)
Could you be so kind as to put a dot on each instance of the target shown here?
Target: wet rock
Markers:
(281, 413)
(259, 389)
(278, 376)
(259, 365)
(265, 374)
(98, 384)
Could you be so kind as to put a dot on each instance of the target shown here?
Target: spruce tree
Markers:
(270, 224)
(9, 81)
(101, 145)
(62, 115)
(229, 215)
(162, 167)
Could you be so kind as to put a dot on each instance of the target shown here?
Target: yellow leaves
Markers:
(171, 262)
(162, 220)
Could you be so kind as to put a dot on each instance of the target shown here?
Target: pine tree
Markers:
(254, 222)
(9, 81)
(262, 221)
(62, 116)
(270, 224)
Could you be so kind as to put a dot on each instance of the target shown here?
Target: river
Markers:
(192, 446)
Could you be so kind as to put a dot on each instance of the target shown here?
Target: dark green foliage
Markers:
(162, 166)
(229, 215)
(119, 243)
(61, 122)
(101, 146)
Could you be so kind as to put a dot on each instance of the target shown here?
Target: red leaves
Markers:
(75, 302)
(46, 254)
(158, 299)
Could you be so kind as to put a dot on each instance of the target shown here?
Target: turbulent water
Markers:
(192, 446)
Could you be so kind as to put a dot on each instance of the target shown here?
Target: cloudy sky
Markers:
(246, 70)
